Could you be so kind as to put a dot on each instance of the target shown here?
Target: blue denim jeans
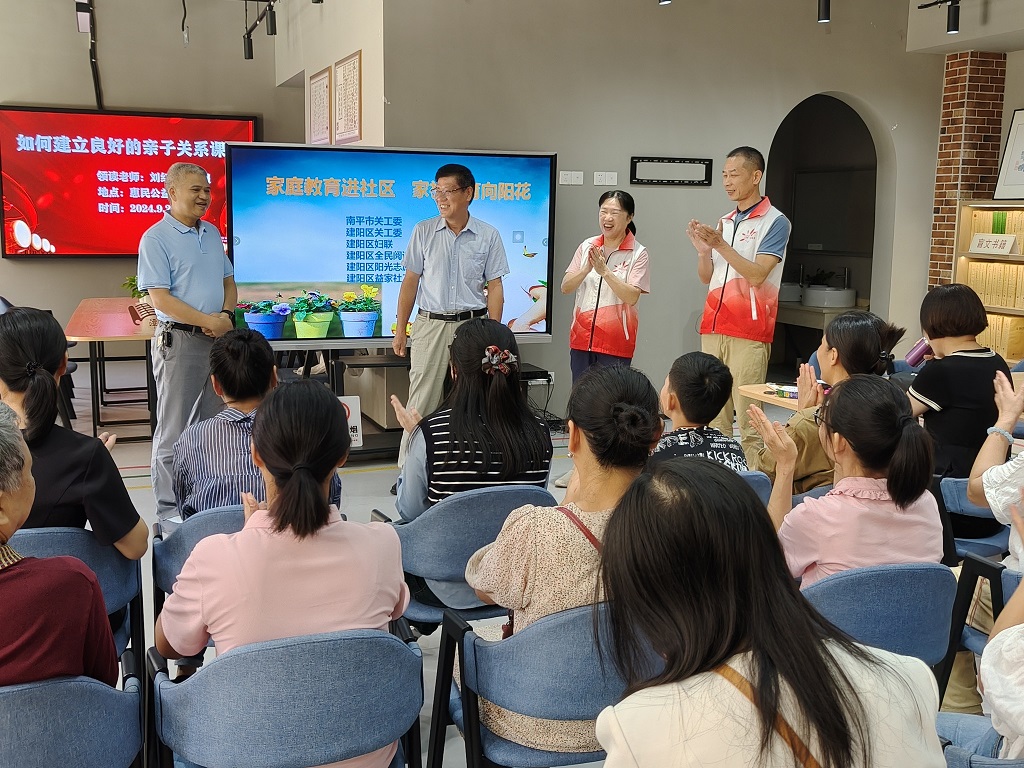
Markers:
(973, 733)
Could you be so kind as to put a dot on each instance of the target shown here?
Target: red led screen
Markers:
(90, 183)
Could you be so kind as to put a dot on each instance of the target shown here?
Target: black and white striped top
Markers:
(445, 479)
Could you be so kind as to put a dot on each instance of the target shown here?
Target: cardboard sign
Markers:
(355, 418)
(997, 244)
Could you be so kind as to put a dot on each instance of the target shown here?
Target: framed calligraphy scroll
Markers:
(320, 107)
(348, 99)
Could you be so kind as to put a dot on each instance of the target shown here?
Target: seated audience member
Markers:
(546, 558)
(880, 511)
(953, 391)
(77, 481)
(854, 342)
(213, 462)
(697, 387)
(296, 568)
(483, 434)
(1002, 673)
(746, 660)
(55, 623)
(994, 483)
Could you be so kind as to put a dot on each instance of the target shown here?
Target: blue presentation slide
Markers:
(335, 219)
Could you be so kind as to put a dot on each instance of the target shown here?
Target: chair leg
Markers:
(440, 718)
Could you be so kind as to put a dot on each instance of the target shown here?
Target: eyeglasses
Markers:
(819, 418)
(444, 194)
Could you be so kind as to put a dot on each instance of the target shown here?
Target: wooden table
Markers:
(98, 321)
(764, 394)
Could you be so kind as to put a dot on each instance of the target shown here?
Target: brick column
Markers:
(969, 137)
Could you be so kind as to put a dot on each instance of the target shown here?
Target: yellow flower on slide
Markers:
(349, 296)
(370, 292)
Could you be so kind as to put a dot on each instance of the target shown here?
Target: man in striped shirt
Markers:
(213, 463)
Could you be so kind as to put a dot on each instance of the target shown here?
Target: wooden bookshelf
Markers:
(997, 279)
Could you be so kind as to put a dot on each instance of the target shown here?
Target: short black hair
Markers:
(952, 310)
(702, 383)
(460, 173)
(750, 156)
(243, 363)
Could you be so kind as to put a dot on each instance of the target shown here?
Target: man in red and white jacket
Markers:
(740, 261)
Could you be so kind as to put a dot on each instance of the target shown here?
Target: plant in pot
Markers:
(313, 312)
(267, 316)
(141, 310)
(359, 311)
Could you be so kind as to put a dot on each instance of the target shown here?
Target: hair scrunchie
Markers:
(31, 368)
(306, 467)
(905, 420)
(497, 359)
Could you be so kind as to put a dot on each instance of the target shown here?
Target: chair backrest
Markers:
(904, 608)
(439, 543)
(550, 669)
(70, 721)
(294, 702)
(760, 483)
(957, 757)
(120, 578)
(170, 554)
(954, 495)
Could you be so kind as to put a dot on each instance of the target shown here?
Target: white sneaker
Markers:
(563, 481)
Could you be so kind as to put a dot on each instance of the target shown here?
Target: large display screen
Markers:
(86, 183)
(335, 221)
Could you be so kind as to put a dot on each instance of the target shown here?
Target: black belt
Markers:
(454, 317)
(193, 329)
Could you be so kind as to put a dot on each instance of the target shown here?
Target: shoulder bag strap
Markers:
(583, 528)
(802, 754)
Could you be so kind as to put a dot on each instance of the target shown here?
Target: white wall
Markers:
(314, 36)
(143, 65)
(597, 82)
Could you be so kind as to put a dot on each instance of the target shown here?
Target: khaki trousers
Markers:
(748, 362)
(428, 364)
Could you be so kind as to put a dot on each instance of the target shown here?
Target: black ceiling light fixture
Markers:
(824, 11)
(664, 2)
(952, 14)
(271, 20)
(247, 46)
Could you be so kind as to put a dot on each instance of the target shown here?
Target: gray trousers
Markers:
(184, 395)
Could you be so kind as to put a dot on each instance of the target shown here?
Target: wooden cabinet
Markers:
(998, 279)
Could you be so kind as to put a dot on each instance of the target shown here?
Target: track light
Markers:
(317, 2)
(247, 46)
(953, 17)
(271, 20)
(824, 11)
(664, 2)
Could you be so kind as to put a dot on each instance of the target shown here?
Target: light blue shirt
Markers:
(190, 263)
(453, 269)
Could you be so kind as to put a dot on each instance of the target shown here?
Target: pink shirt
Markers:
(856, 525)
(258, 585)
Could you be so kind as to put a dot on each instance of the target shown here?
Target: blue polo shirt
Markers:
(191, 263)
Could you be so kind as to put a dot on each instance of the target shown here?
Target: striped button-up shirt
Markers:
(213, 465)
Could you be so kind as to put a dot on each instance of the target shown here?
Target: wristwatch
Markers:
(230, 314)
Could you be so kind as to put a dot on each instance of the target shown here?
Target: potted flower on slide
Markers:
(266, 317)
(313, 314)
(359, 311)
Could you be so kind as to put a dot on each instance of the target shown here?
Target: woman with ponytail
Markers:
(77, 481)
(854, 342)
(483, 434)
(545, 559)
(880, 511)
(296, 567)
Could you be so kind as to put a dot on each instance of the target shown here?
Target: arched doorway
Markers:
(821, 173)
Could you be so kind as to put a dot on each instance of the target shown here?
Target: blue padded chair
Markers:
(954, 494)
(72, 721)
(292, 703)
(814, 493)
(903, 608)
(1018, 429)
(550, 669)
(760, 483)
(1002, 583)
(120, 578)
(961, 758)
(170, 553)
(438, 544)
